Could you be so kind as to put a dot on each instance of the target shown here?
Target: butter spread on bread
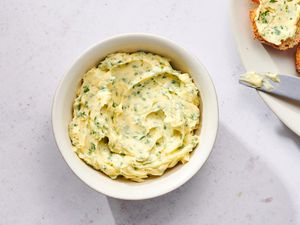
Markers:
(276, 20)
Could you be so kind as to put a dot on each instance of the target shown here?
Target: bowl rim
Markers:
(161, 39)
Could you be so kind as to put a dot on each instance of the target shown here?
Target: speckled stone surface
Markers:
(252, 176)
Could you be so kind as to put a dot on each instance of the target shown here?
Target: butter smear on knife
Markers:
(259, 80)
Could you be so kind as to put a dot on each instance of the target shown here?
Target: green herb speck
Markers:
(92, 148)
(86, 88)
(277, 31)
(81, 114)
(262, 16)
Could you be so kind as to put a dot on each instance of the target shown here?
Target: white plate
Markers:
(257, 57)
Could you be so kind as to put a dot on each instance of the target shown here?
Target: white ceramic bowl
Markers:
(181, 60)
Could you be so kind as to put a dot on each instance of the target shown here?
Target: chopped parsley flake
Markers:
(262, 16)
(81, 114)
(141, 138)
(85, 89)
(277, 31)
(92, 148)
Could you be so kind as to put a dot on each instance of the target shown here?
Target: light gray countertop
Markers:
(252, 176)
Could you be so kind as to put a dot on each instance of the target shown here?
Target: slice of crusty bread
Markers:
(298, 59)
(288, 43)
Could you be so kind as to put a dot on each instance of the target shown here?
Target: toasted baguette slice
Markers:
(288, 43)
(298, 59)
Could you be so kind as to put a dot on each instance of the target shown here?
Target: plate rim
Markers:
(265, 97)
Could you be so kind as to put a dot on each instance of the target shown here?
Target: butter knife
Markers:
(288, 87)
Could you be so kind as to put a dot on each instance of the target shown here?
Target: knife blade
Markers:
(288, 86)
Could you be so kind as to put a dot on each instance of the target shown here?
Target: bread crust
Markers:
(298, 59)
(286, 44)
